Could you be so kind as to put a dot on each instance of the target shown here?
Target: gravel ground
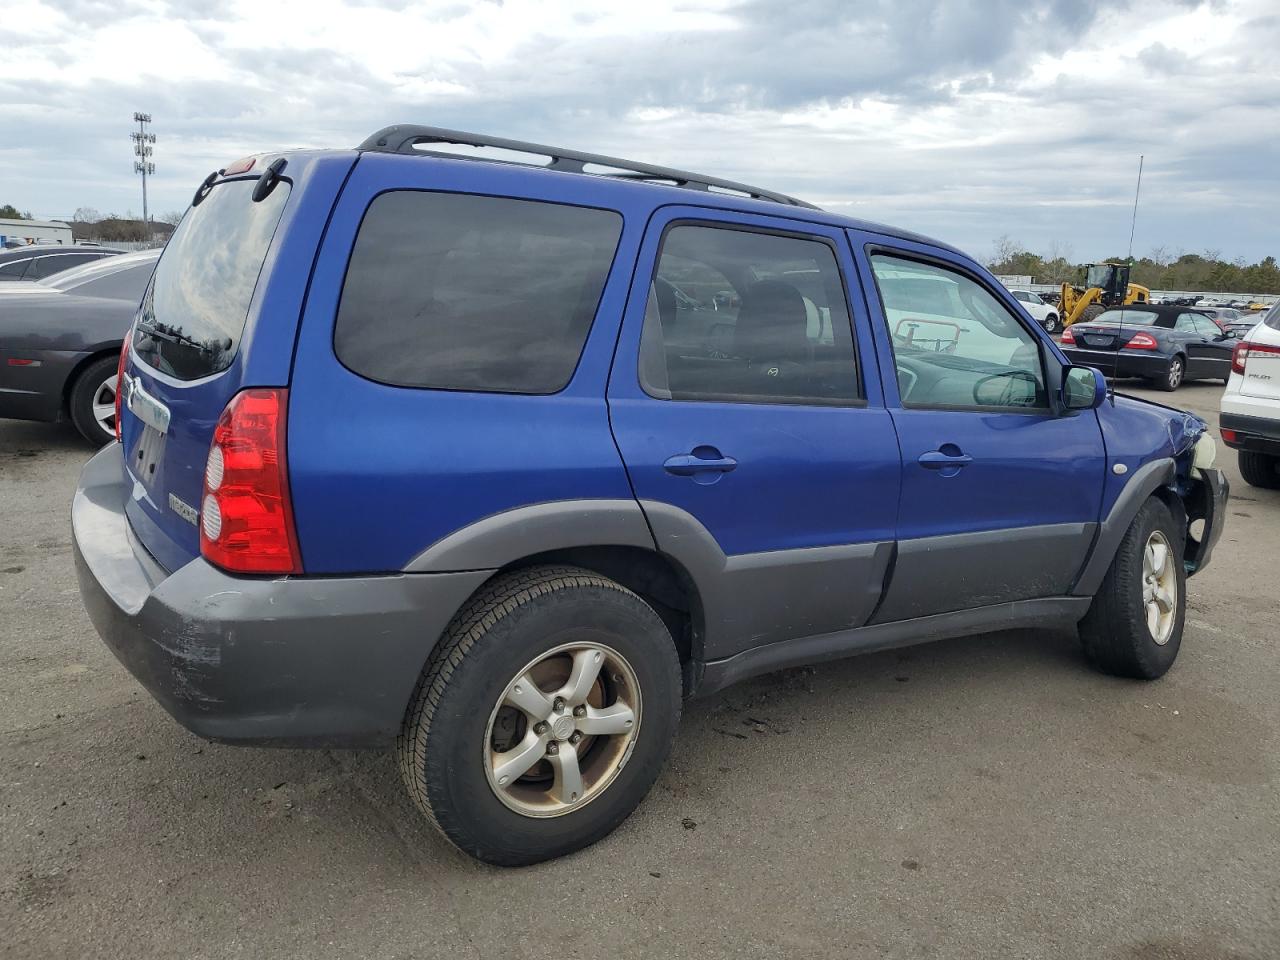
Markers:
(981, 798)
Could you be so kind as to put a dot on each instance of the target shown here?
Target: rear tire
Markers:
(1092, 312)
(1122, 634)
(1051, 324)
(1173, 377)
(1259, 469)
(464, 726)
(92, 396)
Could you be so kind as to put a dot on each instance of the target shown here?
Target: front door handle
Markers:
(701, 460)
(947, 460)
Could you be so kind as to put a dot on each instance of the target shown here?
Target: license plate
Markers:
(1098, 341)
(147, 454)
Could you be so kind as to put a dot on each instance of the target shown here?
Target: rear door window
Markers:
(193, 313)
(459, 292)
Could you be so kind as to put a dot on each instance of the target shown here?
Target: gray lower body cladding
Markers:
(290, 661)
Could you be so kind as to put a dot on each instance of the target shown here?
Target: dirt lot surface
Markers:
(982, 798)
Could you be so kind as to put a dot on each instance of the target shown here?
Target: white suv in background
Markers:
(1250, 415)
(1043, 313)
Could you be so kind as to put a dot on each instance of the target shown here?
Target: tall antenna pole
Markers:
(142, 149)
(1134, 223)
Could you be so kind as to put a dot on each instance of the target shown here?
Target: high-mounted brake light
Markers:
(243, 165)
(1143, 341)
(1068, 337)
(124, 356)
(1244, 350)
(246, 517)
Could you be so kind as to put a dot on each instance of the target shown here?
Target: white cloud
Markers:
(962, 121)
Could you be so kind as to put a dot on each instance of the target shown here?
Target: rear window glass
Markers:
(458, 292)
(1128, 317)
(194, 312)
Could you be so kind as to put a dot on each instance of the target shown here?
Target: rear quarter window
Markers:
(460, 292)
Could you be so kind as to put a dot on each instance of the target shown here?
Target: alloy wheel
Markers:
(562, 730)
(104, 405)
(1159, 587)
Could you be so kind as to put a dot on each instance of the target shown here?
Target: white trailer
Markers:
(34, 231)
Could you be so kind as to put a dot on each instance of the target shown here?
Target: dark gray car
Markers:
(38, 262)
(60, 342)
(1165, 344)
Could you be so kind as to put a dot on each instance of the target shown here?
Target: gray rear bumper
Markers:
(290, 660)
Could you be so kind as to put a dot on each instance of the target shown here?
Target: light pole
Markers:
(142, 149)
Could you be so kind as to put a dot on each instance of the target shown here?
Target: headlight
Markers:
(1206, 451)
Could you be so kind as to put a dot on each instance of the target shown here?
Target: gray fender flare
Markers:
(1147, 479)
(503, 538)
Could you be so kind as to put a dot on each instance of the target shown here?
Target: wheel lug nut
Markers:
(559, 704)
(579, 711)
(540, 728)
(553, 748)
(576, 738)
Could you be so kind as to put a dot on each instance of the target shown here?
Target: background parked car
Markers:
(37, 262)
(1164, 344)
(60, 342)
(1043, 313)
(1250, 416)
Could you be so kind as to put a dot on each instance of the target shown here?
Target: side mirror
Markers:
(1083, 388)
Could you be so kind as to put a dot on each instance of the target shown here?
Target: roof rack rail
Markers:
(406, 138)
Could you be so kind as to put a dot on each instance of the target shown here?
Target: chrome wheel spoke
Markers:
(1159, 558)
(1153, 620)
(526, 697)
(606, 721)
(516, 762)
(1164, 600)
(586, 667)
(567, 787)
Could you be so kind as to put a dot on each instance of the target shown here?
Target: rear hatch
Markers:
(184, 358)
(1260, 353)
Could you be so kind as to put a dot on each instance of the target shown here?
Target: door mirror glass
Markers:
(1013, 388)
(1083, 388)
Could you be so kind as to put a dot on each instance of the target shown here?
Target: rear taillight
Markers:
(246, 518)
(1143, 341)
(1068, 337)
(1243, 350)
(124, 356)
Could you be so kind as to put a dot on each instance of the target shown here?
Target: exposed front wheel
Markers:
(1134, 626)
(1051, 324)
(92, 403)
(543, 717)
(1259, 469)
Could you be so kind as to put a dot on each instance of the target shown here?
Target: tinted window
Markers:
(954, 344)
(13, 270)
(1272, 319)
(775, 331)
(48, 266)
(195, 309)
(459, 292)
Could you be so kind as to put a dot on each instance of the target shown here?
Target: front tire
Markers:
(544, 716)
(1259, 469)
(92, 402)
(1134, 626)
(1051, 324)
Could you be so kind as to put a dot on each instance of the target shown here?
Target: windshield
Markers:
(195, 309)
(1099, 275)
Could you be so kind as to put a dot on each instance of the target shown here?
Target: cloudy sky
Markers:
(966, 121)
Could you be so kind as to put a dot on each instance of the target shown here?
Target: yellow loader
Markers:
(1106, 285)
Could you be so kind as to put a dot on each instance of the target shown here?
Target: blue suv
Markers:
(499, 462)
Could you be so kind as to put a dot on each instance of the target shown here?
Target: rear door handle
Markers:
(701, 460)
(948, 460)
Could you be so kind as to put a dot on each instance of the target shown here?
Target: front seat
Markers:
(772, 332)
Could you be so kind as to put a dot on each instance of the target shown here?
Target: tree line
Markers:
(1161, 269)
